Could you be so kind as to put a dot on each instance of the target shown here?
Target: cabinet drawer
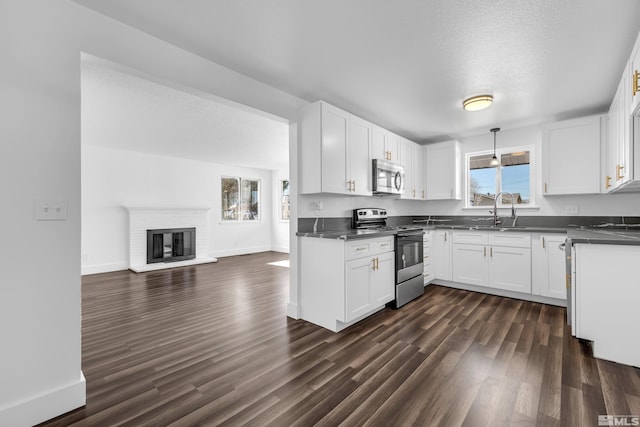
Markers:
(367, 247)
(470, 237)
(511, 239)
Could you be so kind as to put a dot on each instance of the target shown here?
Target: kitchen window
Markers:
(284, 200)
(513, 177)
(240, 199)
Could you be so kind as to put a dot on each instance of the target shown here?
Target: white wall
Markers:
(279, 228)
(588, 205)
(113, 179)
(40, 361)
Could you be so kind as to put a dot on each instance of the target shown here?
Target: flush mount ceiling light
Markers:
(476, 103)
(494, 160)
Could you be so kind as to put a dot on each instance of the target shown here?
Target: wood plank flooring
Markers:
(211, 345)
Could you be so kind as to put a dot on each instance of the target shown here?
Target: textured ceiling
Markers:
(407, 64)
(123, 111)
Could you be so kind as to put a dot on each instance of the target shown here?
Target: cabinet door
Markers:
(571, 157)
(510, 268)
(548, 267)
(335, 134)
(417, 166)
(470, 264)
(393, 147)
(357, 287)
(359, 157)
(383, 280)
(632, 78)
(442, 168)
(441, 254)
(379, 143)
(406, 160)
(613, 142)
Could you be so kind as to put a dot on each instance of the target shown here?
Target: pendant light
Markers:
(494, 160)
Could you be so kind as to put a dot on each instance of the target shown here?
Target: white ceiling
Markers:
(124, 111)
(407, 64)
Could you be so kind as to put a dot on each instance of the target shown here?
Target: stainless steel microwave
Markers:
(388, 178)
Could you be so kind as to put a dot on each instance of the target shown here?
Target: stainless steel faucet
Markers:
(496, 220)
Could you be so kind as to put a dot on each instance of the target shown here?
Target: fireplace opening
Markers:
(171, 244)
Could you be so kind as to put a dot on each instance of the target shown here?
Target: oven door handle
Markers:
(410, 233)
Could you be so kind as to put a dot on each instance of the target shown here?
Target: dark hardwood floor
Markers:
(211, 345)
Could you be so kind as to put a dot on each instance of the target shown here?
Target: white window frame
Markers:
(499, 152)
(240, 220)
(280, 201)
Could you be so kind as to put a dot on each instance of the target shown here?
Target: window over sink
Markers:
(512, 179)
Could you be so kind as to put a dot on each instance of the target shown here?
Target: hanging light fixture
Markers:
(476, 103)
(494, 160)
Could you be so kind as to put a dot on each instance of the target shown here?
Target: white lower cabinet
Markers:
(500, 260)
(548, 273)
(427, 272)
(441, 254)
(606, 300)
(341, 281)
(510, 268)
(470, 264)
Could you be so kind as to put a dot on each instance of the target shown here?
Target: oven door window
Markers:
(409, 251)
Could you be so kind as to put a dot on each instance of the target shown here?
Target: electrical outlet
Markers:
(571, 209)
(50, 210)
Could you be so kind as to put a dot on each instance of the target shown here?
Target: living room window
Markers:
(513, 177)
(240, 199)
(284, 200)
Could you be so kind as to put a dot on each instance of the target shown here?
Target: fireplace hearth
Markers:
(171, 245)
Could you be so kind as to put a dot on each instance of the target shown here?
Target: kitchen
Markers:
(81, 33)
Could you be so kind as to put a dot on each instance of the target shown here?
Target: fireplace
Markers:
(171, 244)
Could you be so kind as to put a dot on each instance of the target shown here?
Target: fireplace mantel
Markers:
(143, 218)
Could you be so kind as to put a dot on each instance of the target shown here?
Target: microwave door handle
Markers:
(397, 181)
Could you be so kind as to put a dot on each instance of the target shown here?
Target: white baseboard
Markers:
(283, 249)
(45, 406)
(501, 292)
(292, 310)
(103, 268)
(241, 251)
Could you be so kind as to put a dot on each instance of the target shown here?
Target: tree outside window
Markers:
(512, 177)
(284, 200)
(240, 199)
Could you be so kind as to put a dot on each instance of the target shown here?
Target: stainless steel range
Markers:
(408, 247)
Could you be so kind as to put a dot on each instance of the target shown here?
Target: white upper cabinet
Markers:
(442, 170)
(335, 151)
(412, 158)
(417, 167)
(386, 145)
(632, 77)
(617, 153)
(571, 156)
(359, 157)
(406, 160)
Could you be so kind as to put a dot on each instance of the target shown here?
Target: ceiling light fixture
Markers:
(494, 160)
(476, 103)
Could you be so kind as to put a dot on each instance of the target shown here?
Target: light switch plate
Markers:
(50, 210)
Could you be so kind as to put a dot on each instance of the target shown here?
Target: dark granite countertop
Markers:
(348, 234)
(609, 236)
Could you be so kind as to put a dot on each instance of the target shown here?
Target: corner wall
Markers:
(40, 304)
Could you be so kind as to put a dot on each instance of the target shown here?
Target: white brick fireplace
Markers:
(142, 219)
